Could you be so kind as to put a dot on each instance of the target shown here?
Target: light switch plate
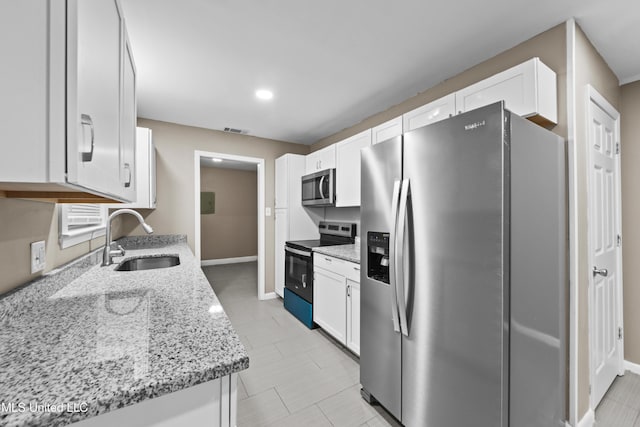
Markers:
(37, 256)
(267, 211)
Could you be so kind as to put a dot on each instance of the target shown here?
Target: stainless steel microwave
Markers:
(319, 188)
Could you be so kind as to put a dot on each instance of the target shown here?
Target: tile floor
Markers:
(620, 407)
(301, 377)
(297, 376)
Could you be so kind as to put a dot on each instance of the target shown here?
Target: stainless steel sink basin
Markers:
(148, 263)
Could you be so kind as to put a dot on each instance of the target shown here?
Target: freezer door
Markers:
(380, 356)
(454, 367)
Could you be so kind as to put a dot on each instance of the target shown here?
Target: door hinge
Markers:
(617, 148)
(619, 240)
(619, 333)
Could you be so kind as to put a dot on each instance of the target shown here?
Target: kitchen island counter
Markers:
(91, 339)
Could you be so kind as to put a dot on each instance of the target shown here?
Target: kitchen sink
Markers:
(148, 263)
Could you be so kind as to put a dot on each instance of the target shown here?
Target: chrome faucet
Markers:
(108, 253)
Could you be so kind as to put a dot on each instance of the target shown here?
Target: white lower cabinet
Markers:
(353, 315)
(281, 236)
(336, 299)
(329, 308)
(213, 403)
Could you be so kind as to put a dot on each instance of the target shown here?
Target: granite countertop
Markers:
(346, 252)
(93, 339)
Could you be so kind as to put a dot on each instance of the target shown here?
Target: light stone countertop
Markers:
(108, 339)
(346, 252)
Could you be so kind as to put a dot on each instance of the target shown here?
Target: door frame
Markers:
(594, 97)
(259, 162)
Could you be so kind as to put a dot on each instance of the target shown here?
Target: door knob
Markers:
(603, 271)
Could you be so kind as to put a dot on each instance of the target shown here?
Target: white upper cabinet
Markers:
(321, 159)
(282, 184)
(128, 155)
(386, 130)
(145, 173)
(348, 168)
(67, 90)
(528, 89)
(432, 112)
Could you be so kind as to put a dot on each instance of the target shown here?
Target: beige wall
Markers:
(232, 231)
(175, 145)
(23, 222)
(549, 46)
(630, 141)
(591, 69)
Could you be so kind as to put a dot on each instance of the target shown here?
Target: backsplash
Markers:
(23, 222)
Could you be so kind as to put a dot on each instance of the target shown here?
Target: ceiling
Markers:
(333, 63)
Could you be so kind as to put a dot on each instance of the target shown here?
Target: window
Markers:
(81, 222)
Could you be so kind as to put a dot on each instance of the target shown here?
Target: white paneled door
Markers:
(605, 240)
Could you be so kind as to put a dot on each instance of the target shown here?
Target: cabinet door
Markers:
(282, 186)
(327, 157)
(348, 168)
(329, 303)
(528, 89)
(153, 196)
(386, 130)
(321, 159)
(432, 112)
(353, 316)
(128, 118)
(281, 236)
(94, 49)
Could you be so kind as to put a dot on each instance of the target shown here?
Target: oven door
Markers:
(298, 272)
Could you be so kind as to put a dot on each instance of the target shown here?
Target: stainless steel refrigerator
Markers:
(464, 273)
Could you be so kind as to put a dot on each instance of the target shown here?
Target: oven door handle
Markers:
(297, 251)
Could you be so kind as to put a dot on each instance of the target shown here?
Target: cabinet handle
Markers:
(327, 259)
(356, 268)
(128, 169)
(348, 290)
(85, 119)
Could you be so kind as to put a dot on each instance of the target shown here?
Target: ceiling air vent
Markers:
(234, 130)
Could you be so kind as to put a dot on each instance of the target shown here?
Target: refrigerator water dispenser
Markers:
(378, 256)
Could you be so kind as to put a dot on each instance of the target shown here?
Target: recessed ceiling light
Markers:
(216, 159)
(264, 94)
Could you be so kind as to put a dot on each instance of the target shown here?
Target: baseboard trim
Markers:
(632, 367)
(588, 420)
(270, 295)
(208, 262)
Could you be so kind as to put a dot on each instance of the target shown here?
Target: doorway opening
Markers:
(229, 211)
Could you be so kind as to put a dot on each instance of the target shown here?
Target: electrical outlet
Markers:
(37, 256)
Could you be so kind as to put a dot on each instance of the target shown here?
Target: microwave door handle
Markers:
(400, 273)
(392, 256)
(320, 186)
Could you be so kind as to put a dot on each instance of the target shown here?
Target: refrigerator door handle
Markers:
(392, 256)
(400, 235)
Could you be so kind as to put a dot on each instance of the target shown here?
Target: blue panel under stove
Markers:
(300, 308)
